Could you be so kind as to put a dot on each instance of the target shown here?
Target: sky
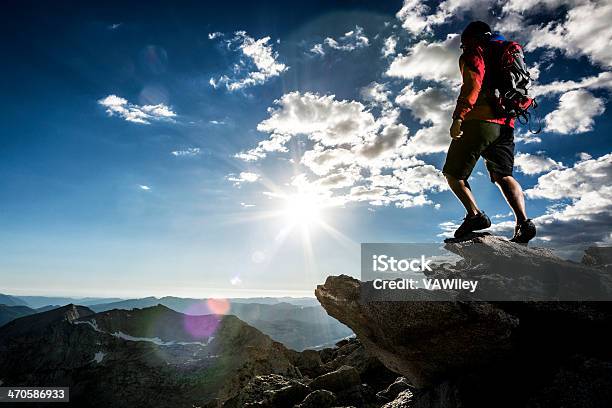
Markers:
(247, 148)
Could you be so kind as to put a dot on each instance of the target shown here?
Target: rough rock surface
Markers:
(466, 353)
(138, 362)
(318, 399)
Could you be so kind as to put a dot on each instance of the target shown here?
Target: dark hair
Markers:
(478, 30)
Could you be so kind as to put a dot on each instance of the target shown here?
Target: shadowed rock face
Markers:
(142, 357)
(424, 341)
(467, 353)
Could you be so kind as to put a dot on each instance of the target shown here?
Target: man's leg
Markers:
(461, 189)
(513, 193)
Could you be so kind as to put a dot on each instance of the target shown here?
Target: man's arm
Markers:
(472, 70)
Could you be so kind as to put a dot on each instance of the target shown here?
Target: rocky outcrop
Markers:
(489, 353)
(151, 357)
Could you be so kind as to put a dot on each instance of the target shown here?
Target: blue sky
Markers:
(248, 148)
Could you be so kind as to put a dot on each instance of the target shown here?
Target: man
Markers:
(477, 130)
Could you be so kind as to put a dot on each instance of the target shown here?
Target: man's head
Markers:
(475, 32)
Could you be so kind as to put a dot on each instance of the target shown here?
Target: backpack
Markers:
(509, 81)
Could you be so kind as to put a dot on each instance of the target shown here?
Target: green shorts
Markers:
(492, 141)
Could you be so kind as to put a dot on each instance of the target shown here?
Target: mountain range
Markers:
(154, 355)
(299, 325)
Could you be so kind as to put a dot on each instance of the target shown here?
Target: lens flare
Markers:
(218, 306)
(201, 327)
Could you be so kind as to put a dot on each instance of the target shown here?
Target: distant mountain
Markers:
(154, 357)
(297, 327)
(11, 300)
(8, 313)
(299, 301)
(45, 308)
(40, 301)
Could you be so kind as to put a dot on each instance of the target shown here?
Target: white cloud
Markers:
(321, 161)
(350, 41)
(584, 177)
(586, 30)
(531, 164)
(413, 16)
(323, 118)
(143, 187)
(588, 216)
(243, 177)
(601, 81)
(432, 107)
(189, 152)
(318, 49)
(258, 62)
(354, 156)
(434, 61)
(525, 136)
(575, 113)
(143, 114)
(376, 93)
(532, 6)
(416, 17)
(389, 46)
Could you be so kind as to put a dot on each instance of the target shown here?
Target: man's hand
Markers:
(455, 129)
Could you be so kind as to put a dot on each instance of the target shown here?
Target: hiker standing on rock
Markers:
(483, 125)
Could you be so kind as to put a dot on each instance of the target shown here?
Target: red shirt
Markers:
(472, 66)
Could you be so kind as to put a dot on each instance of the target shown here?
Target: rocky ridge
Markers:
(466, 353)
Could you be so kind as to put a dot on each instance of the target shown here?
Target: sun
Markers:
(302, 209)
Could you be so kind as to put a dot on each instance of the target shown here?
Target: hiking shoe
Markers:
(524, 232)
(473, 223)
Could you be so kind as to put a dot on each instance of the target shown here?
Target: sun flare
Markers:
(303, 209)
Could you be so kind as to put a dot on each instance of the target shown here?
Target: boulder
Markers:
(403, 400)
(422, 341)
(269, 391)
(463, 352)
(392, 391)
(343, 378)
(318, 399)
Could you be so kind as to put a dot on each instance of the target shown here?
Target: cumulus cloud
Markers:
(434, 61)
(418, 18)
(575, 113)
(584, 177)
(376, 93)
(413, 16)
(189, 152)
(531, 164)
(243, 177)
(586, 30)
(389, 46)
(257, 64)
(588, 215)
(350, 41)
(602, 80)
(355, 155)
(526, 137)
(432, 107)
(143, 114)
(323, 118)
(321, 160)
